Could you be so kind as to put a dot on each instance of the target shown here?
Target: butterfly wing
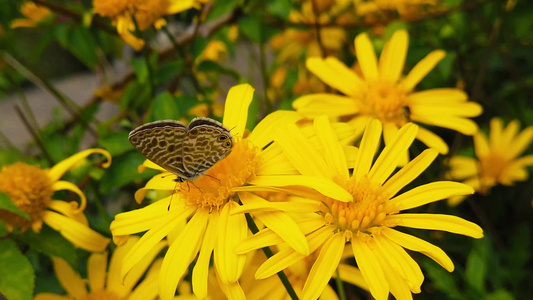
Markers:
(207, 142)
(162, 142)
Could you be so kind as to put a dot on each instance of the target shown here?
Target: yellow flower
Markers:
(498, 160)
(367, 220)
(146, 13)
(383, 94)
(404, 7)
(31, 188)
(207, 204)
(105, 283)
(215, 51)
(109, 94)
(33, 13)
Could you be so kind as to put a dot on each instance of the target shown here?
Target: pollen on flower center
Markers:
(491, 168)
(30, 188)
(385, 101)
(214, 188)
(367, 209)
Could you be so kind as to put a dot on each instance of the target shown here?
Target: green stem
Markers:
(264, 76)
(340, 286)
(34, 134)
(146, 55)
(268, 252)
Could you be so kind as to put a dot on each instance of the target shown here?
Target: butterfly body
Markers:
(187, 151)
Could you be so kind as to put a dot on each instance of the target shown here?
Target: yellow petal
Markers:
(232, 230)
(352, 275)
(181, 253)
(368, 263)
(335, 74)
(367, 149)
(421, 69)
(232, 291)
(366, 57)
(78, 234)
(151, 238)
(69, 186)
(262, 133)
(123, 29)
(147, 289)
(322, 185)
(200, 272)
(331, 105)
(279, 222)
(462, 125)
(481, 145)
(428, 193)
(114, 282)
(272, 161)
(324, 266)
(415, 244)
(392, 153)
(175, 7)
(264, 238)
(495, 135)
(333, 152)
(448, 223)
(462, 167)
(509, 132)
(68, 209)
(451, 109)
(69, 279)
(437, 96)
(96, 271)
(432, 140)
(393, 56)
(236, 108)
(520, 143)
(23, 23)
(60, 168)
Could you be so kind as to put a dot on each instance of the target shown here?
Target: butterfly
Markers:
(186, 151)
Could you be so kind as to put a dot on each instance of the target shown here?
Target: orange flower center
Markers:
(214, 189)
(29, 188)
(367, 209)
(386, 102)
(102, 295)
(491, 167)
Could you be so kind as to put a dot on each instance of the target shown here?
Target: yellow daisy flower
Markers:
(105, 283)
(33, 14)
(208, 204)
(382, 93)
(31, 188)
(368, 219)
(145, 12)
(498, 160)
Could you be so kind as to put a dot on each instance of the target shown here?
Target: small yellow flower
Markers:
(31, 189)
(215, 51)
(498, 159)
(33, 13)
(382, 93)
(109, 94)
(104, 282)
(207, 204)
(405, 8)
(145, 12)
(367, 220)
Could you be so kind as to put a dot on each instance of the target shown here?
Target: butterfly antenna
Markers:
(195, 186)
(212, 177)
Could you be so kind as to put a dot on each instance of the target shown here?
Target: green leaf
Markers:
(442, 279)
(50, 242)
(3, 229)
(250, 26)
(83, 45)
(116, 142)
(122, 171)
(17, 278)
(165, 107)
(141, 69)
(280, 8)
(476, 265)
(7, 204)
(499, 295)
(168, 70)
(211, 66)
(221, 8)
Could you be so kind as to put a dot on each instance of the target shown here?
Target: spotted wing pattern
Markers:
(162, 142)
(208, 141)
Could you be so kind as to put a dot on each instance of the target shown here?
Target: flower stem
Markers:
(340, 287)
(268, 252)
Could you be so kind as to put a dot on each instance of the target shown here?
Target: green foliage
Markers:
(6, 204)
(17, 278)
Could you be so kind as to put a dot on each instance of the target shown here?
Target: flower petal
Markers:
(200, 272)
(520, 143)
(69, 279)
(68, 209)
(409, 172)
(428, 193)
(448, 223)
(175, 7)
(147, 289)
(462, 125)
(481, 145)
(262, 133)
(181, 253)
(280, 223)
(78, 234)
(393, 153)
(367, 149)
(331, 105)
(232, 230)
(421, 69)
(69, 186)
(335, 74)
(462, 167)
(432, 140)
(324, 266)
(368, 263)
(236, 108)
(60, 168)
(97, 270)
(324, 186)
(452, 109)
(415, 244)
(352, 275)
(366, 57)
(392, 57)
(333, 152)
(124, 287)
